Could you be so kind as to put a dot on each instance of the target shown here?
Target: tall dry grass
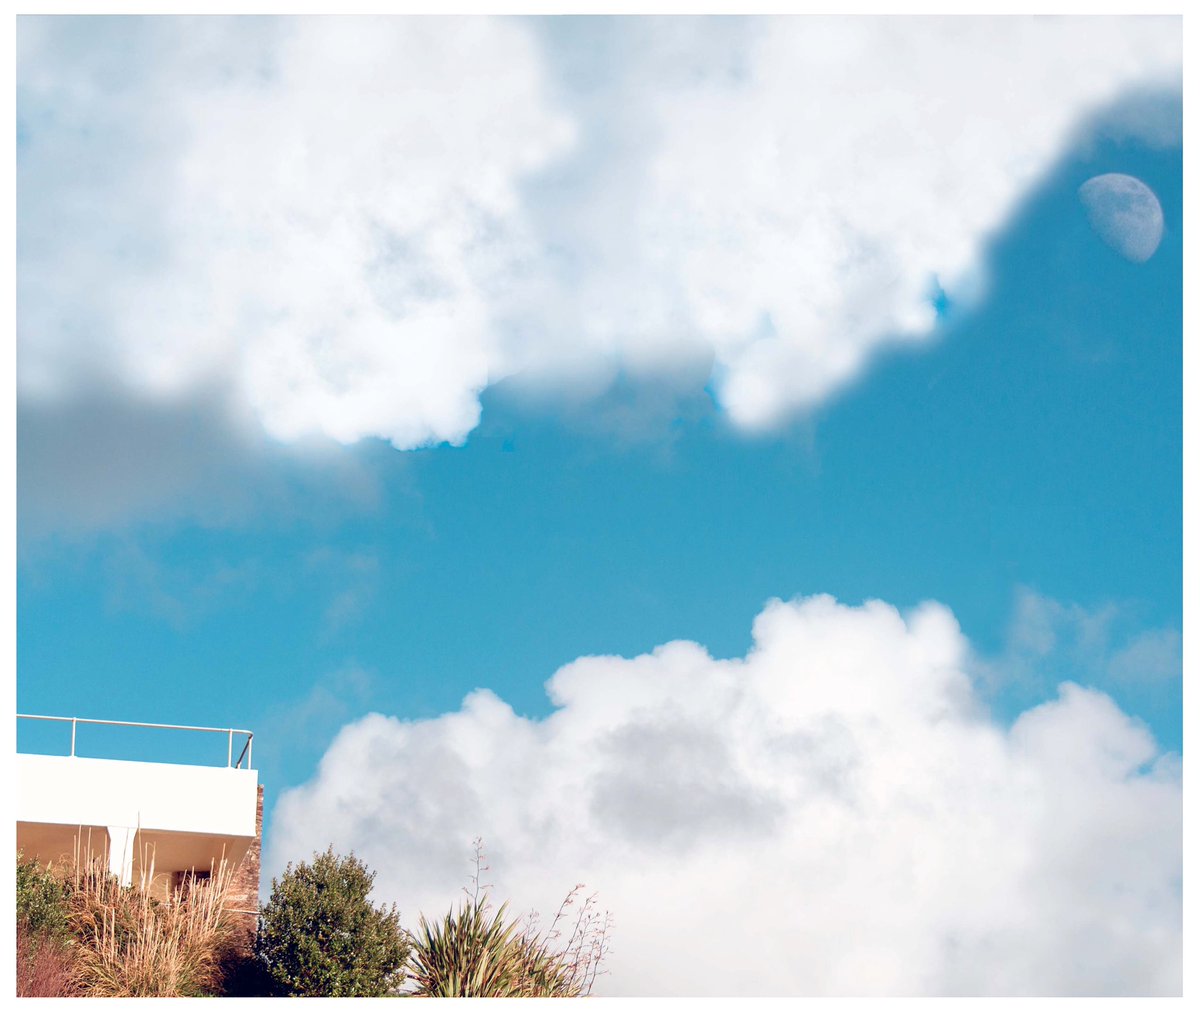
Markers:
(131, 944)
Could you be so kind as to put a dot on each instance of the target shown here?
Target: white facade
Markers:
(143, 815)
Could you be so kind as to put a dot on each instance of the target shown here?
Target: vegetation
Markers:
(45, 954)
(475, 952)
(320, 936)
(81, 933)
(41, 900)
(45, 965)
(131, 944)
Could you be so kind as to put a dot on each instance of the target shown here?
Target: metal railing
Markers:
(246, 752)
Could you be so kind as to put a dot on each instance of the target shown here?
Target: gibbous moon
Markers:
(1125, 213)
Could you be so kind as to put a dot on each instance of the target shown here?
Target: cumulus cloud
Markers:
(834, 813)
(315, 215)
(811, 206)
(356, 226)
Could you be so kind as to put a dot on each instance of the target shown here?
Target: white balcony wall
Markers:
(151, 796)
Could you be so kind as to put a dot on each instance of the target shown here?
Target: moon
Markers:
(1125, 213)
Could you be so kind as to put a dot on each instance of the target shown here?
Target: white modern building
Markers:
(145, 818)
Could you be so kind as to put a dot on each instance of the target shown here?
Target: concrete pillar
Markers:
(121, 843)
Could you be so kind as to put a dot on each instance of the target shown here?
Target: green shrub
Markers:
(320, 936)
(41, 900)
(45, 952)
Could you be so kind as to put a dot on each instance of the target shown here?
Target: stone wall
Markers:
(243, 890)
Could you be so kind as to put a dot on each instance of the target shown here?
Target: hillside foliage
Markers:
(80, 932)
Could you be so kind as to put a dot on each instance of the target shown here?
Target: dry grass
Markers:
(131, 944)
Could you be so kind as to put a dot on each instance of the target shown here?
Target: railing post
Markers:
(229, 761)
(250, 752)
(74, 722)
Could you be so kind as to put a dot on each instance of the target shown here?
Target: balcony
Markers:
(153, 821)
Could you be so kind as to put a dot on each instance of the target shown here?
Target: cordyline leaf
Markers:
(470, 953)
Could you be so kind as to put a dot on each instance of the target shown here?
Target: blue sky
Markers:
(241, 544)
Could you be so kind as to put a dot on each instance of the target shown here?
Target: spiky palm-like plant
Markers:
(467, 954)
(477, 953)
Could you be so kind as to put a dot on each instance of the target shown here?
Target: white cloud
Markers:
(832, 814)
(1153, 655)
(805, 210)
(1102, 646)
(355, 227)
(318, 218)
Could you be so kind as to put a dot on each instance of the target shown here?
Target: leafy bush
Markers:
(41, 900)
(45, 955)
(320, 936)
(131, 944)
(476, 953)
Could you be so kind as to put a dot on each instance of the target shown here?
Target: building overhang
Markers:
(173, 817)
